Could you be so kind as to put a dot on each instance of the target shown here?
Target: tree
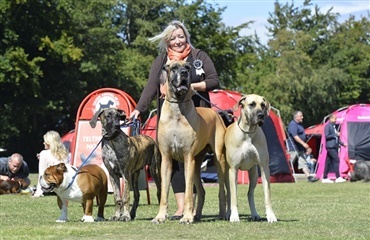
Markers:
(313, 63)
(60, 51)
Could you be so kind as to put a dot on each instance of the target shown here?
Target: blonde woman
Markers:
(54, 153)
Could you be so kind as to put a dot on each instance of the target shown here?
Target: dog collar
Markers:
(176, 101)
(245, 131)
(115, 134)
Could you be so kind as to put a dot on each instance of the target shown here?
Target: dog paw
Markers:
(271, 218)
(197, 218)
(86, 218)
(234, 219)
(222, 217)
(233, 216)
(185, 220)
(158, 220)
(255, 218)
(114, 218)
(99, 219)
(124, 218)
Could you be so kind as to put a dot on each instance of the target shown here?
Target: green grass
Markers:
(304, 211)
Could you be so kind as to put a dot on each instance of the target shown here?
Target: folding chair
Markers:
(291, 160)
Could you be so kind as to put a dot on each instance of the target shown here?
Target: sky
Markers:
(240, 11)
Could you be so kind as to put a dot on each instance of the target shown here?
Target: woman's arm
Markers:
(211, 80)
(151, 88)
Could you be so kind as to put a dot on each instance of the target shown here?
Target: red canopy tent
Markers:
(314, 134)
(83, 139)
(221, 100)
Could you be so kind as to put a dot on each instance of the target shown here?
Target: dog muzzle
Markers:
(45, 186)
(181, 82)
(260, 119)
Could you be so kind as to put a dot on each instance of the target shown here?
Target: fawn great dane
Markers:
(246, 148)
(186, 133)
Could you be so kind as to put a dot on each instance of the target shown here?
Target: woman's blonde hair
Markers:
(165, 36)
(57, 148)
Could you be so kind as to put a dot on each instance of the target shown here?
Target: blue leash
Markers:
(83, 163)
(135, 124)
(136, 131)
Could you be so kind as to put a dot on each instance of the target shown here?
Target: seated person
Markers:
(311, 162)
(14, 168)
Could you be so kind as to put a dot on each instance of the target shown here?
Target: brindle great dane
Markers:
(125, 156)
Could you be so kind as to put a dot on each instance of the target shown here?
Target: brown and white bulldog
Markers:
(89, 182)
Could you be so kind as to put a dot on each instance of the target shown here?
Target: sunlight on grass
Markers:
(304, 211)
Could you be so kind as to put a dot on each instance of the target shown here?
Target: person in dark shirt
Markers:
(174, 44)
(14, 168)
(297, 145)
(332, 145)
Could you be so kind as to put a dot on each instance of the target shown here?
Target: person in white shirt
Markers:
(55, 152)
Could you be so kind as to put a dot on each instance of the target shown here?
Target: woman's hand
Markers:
(199, 86)
(134, 114)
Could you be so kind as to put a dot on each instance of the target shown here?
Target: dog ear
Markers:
(240, 103)
(187, 66)
(21, 182)
(94, 119)
(61, 167)
(267, 108)
(164, 75)
(122, 114)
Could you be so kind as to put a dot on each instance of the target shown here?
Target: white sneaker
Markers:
(340, 180)
(327, 180)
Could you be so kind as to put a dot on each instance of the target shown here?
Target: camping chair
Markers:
(291, 160)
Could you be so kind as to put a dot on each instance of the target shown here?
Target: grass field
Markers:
(304, 211)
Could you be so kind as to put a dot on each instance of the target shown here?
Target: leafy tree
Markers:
(54, 53)
(313, 63)
(60, 51)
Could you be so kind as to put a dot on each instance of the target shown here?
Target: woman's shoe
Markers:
(176, 217)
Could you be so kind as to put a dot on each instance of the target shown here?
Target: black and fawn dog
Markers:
(11, 186)
(124, 156)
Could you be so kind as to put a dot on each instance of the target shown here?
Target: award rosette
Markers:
(198, 64)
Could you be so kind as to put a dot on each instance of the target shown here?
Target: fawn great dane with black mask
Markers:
(186, 133)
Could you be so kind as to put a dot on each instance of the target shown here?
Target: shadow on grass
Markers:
(242, 217)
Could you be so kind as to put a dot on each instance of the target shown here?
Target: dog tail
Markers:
(155, 170)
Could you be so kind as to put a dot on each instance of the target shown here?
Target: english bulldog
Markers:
(77, 186)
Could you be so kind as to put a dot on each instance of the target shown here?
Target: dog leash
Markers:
(229, 119)
(136, 128)
(135, 124)
(83, 163)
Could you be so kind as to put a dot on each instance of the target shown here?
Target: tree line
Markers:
(53, 53)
